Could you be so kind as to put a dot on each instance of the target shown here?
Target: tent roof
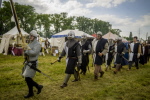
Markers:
(65, 32)
(110, 35)
(94, 35)
(14, 32)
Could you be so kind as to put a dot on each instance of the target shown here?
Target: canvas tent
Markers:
(94, 35)
(110, 35)
(59, 38)
(10, 37)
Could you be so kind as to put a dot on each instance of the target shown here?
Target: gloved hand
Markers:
(138, 55)
(59, 59)
(25, 46)
(100, 54)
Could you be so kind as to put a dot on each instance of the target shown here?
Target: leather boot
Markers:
(95, 77)
(101, 74)
(63, 85)
(30, 86)
(115, 72)
(39, 89)
(74, 80)
(29, 95)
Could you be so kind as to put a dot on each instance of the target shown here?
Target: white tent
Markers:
(9, 38)
(110, 35)
(59, 38)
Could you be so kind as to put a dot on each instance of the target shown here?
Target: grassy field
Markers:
(126, 85)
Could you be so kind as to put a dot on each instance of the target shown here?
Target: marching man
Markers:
(134, 52)
(85, 49)
(31, 52)
(109, 55)
(72, 50)
(100, 48)
(120, 51)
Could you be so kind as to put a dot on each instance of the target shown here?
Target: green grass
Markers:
(126, 85)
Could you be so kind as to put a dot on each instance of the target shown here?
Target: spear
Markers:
(16, 20)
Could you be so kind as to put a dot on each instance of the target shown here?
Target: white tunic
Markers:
(131, 53)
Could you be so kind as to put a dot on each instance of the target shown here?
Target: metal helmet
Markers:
(99, 33)
(71, 35)
(34, 33)
(110, 41)
(84, 36)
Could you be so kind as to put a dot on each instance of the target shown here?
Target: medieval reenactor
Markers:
(72, 50)
(121, 49)
(134, 53)
(85, 50)
(100, 48)
(109, 55)
(115, 53)
(47, 45)
(142, 58)
(31, 52)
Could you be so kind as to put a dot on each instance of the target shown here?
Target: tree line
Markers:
(49, 24)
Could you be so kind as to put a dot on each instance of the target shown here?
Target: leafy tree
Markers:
(5, 18)
(26, 16)
(43, 21)
(116, 31)
(48, 24)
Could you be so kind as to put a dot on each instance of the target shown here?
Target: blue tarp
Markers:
(59, 36)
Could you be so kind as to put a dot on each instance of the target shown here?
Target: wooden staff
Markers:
(16, 20)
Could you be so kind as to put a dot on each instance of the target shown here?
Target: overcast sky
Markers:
(127, 15)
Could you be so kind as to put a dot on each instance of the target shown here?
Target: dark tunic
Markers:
(73, 52)
(99, 48)
(85, 57)
(142, 59)
(120, 48)
(126, 54)
(135, 51)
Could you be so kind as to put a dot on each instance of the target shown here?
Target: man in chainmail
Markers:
(72, 50)
(31, 52)
(85, 50)
(109, 55)
(100, 48)
(120, 51)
